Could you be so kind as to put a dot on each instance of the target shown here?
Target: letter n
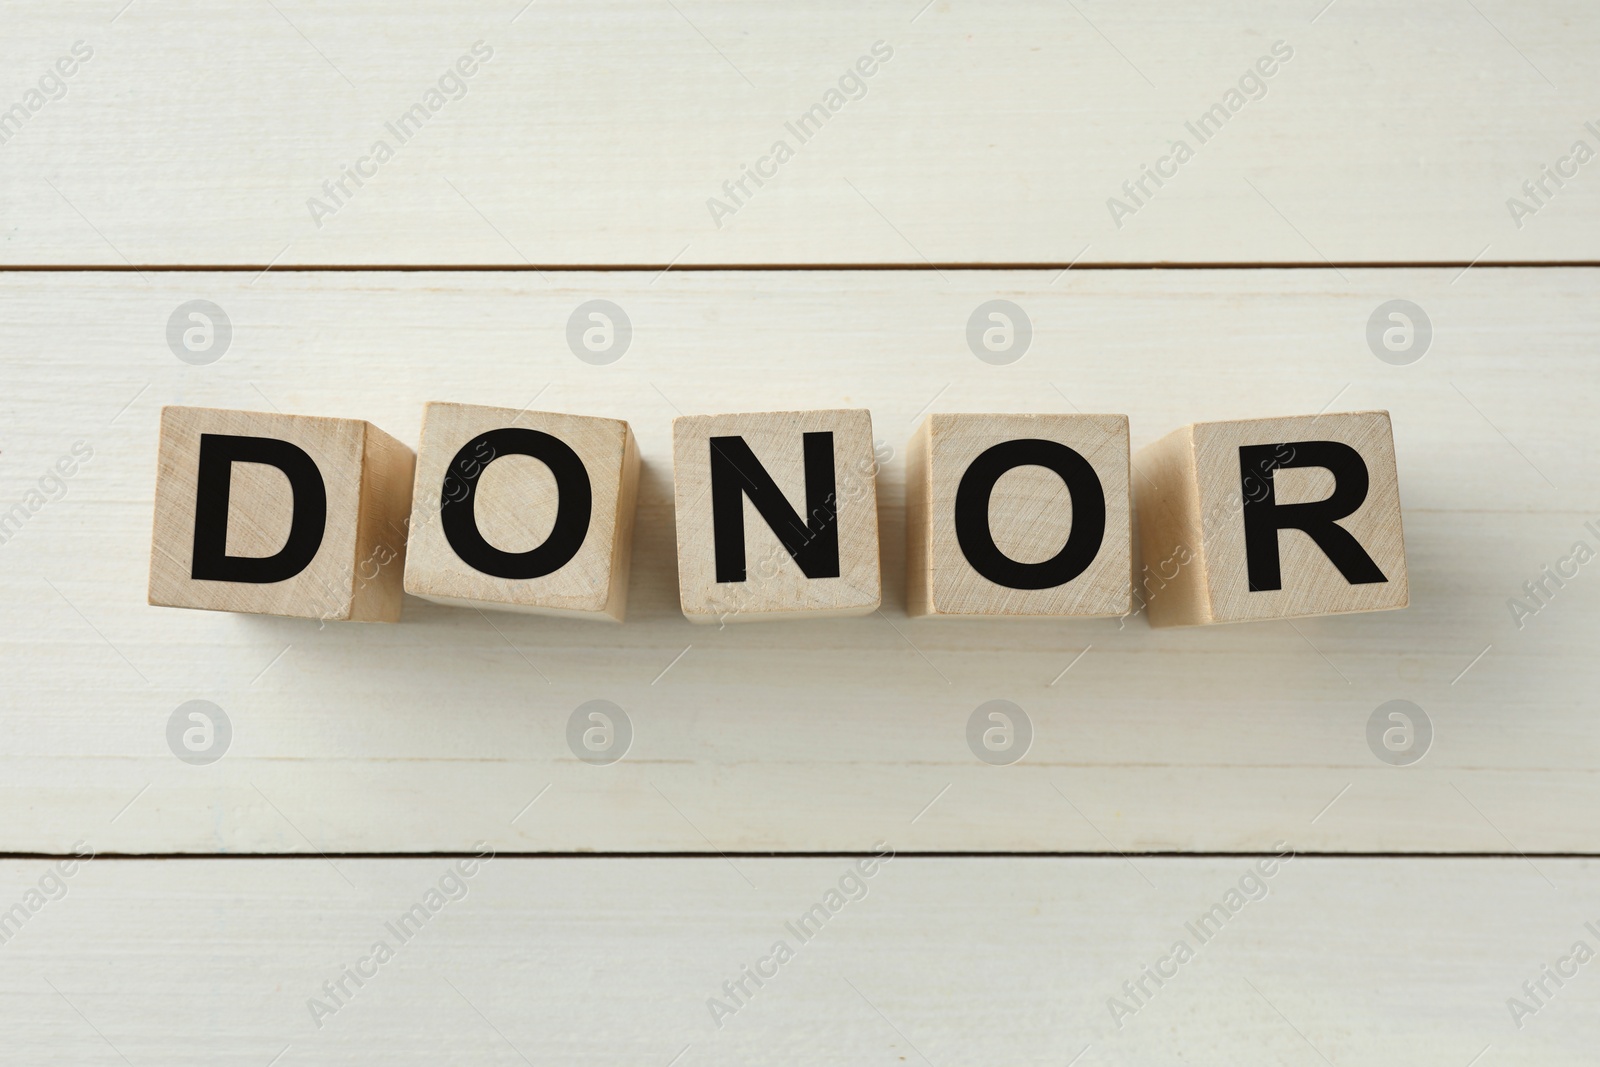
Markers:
(736, 474)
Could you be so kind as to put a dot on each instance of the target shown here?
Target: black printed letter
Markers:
(1264, 516)
(457, 510)
(972, 514)
(218, 453)
(736, 474)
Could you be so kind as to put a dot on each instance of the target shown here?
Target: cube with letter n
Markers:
(777, 515)
(279, 515)
(1271, 519)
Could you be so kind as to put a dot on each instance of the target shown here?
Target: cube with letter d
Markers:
(777, 515)
(1271, 519)
(279, 515)
(527, 511)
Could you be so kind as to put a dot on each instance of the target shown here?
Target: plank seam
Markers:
(820, 268)
(900, 854)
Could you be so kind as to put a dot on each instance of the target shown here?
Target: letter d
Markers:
(308, 521)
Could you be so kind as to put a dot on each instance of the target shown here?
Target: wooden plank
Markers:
(445, 728)
(1366, 961)
(603, 133)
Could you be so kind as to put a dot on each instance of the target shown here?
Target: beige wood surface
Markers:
(628, 131)
(265, 143)
(1359, 962)
(427, 734)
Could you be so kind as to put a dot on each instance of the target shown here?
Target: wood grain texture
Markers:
(1030, 512)
(441, 730)
(387, 466)
(352, 571)
(1194, 491)
(606, 132)
(516, 506)
(1367, 962)
(838, 521)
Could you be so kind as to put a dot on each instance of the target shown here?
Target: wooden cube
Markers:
(777, 515)
(1018, 516)
(526, 511)
(1270, 519)
(279, 515)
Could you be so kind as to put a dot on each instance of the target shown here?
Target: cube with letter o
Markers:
(1016, 516)
(526, 511)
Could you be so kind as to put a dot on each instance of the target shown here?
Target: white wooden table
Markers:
(363, 764)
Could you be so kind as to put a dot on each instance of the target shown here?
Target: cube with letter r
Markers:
(1270, 519)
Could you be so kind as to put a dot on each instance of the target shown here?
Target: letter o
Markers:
(972, 514)
(576, 501)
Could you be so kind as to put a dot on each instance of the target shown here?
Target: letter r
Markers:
(1319, 520)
